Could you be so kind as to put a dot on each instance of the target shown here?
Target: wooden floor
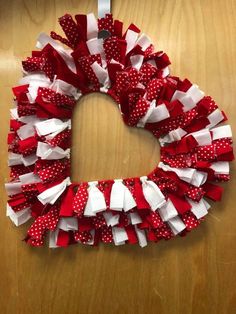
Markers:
(196, 274)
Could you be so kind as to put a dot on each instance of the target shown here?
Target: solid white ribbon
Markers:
(101, 74)
(20, 217)
(29, 160)
(44, 39)
(223, 131)
(68, 223)
(143, 41)
(53, 125)
(130, 38)
(199, 209)
(96, 202)
(135, 218)
(137, 61)
(111, 220)
(215, 117)
(167, 211)
(121, 198)
(63, 87)
(48, 152)
(203, 137)
(95, 46)
(119, 235)
(176, 225)
(53, 235)
(141, 236)
(18, 159)
(220, 167)
(35, 81)
(92, 26)
(26, 131)
(29, 178)
(172, 136)
(50, 195)
(189, 175)
(190, 98)
(154, 114)
(13, 188)
(152, 193)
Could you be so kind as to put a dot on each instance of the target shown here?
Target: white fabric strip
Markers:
(154, 114)
(141, 236)
(26, 131)
(50, 195)
(20, 217)
(121, 198)
(53, 235)
(199, 209)
(220, 167)
(52, 126)
(130, 38)
(44, 39)
(29, 160)
(143, 41)
(172, 136)
(223, 131)
(13, 188)
(136, 61)
(168, 211)
(101, 74)
(152, 193)
(189, 175)
(92, 26)
(68, 223)
(29, 178)
(176, 225)
(48, 152)
(111, 220)
(62, 87)
(215, 117)
(135, 218)
(119, 235)
(203, 137)
(96, 201)
(190, 98)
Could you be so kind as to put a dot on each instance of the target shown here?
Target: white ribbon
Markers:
(44, 39)
(63, 87)
(35, 81)
(215, 117)
(68, 223)
(189, 175)
(92, 26)
(223, 131)
(13, 188)
(190, 98)
(53, 235)
(137, 61)
(203, 137)
(96, 201)
(141, 236)
(154, 114)
(54, 126)
(119, 235)
(29, 178)
(220, 167)
(48, 152)
(111, 220)
(101, 74)
(26, 131)
(143, 41)
(20, 217)
(168, 211)
(152, 193)
(199, 209)
(50, 195)
(135, 218)
(176, 225)
(29, 160)
(130, 38)
(18, 159)
(121, 198)
(172, 136)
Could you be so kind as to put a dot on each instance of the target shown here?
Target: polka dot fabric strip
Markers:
(169, 201)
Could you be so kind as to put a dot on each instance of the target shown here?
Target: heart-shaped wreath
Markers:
(102, 57)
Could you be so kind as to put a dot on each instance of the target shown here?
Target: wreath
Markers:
(101, 57)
